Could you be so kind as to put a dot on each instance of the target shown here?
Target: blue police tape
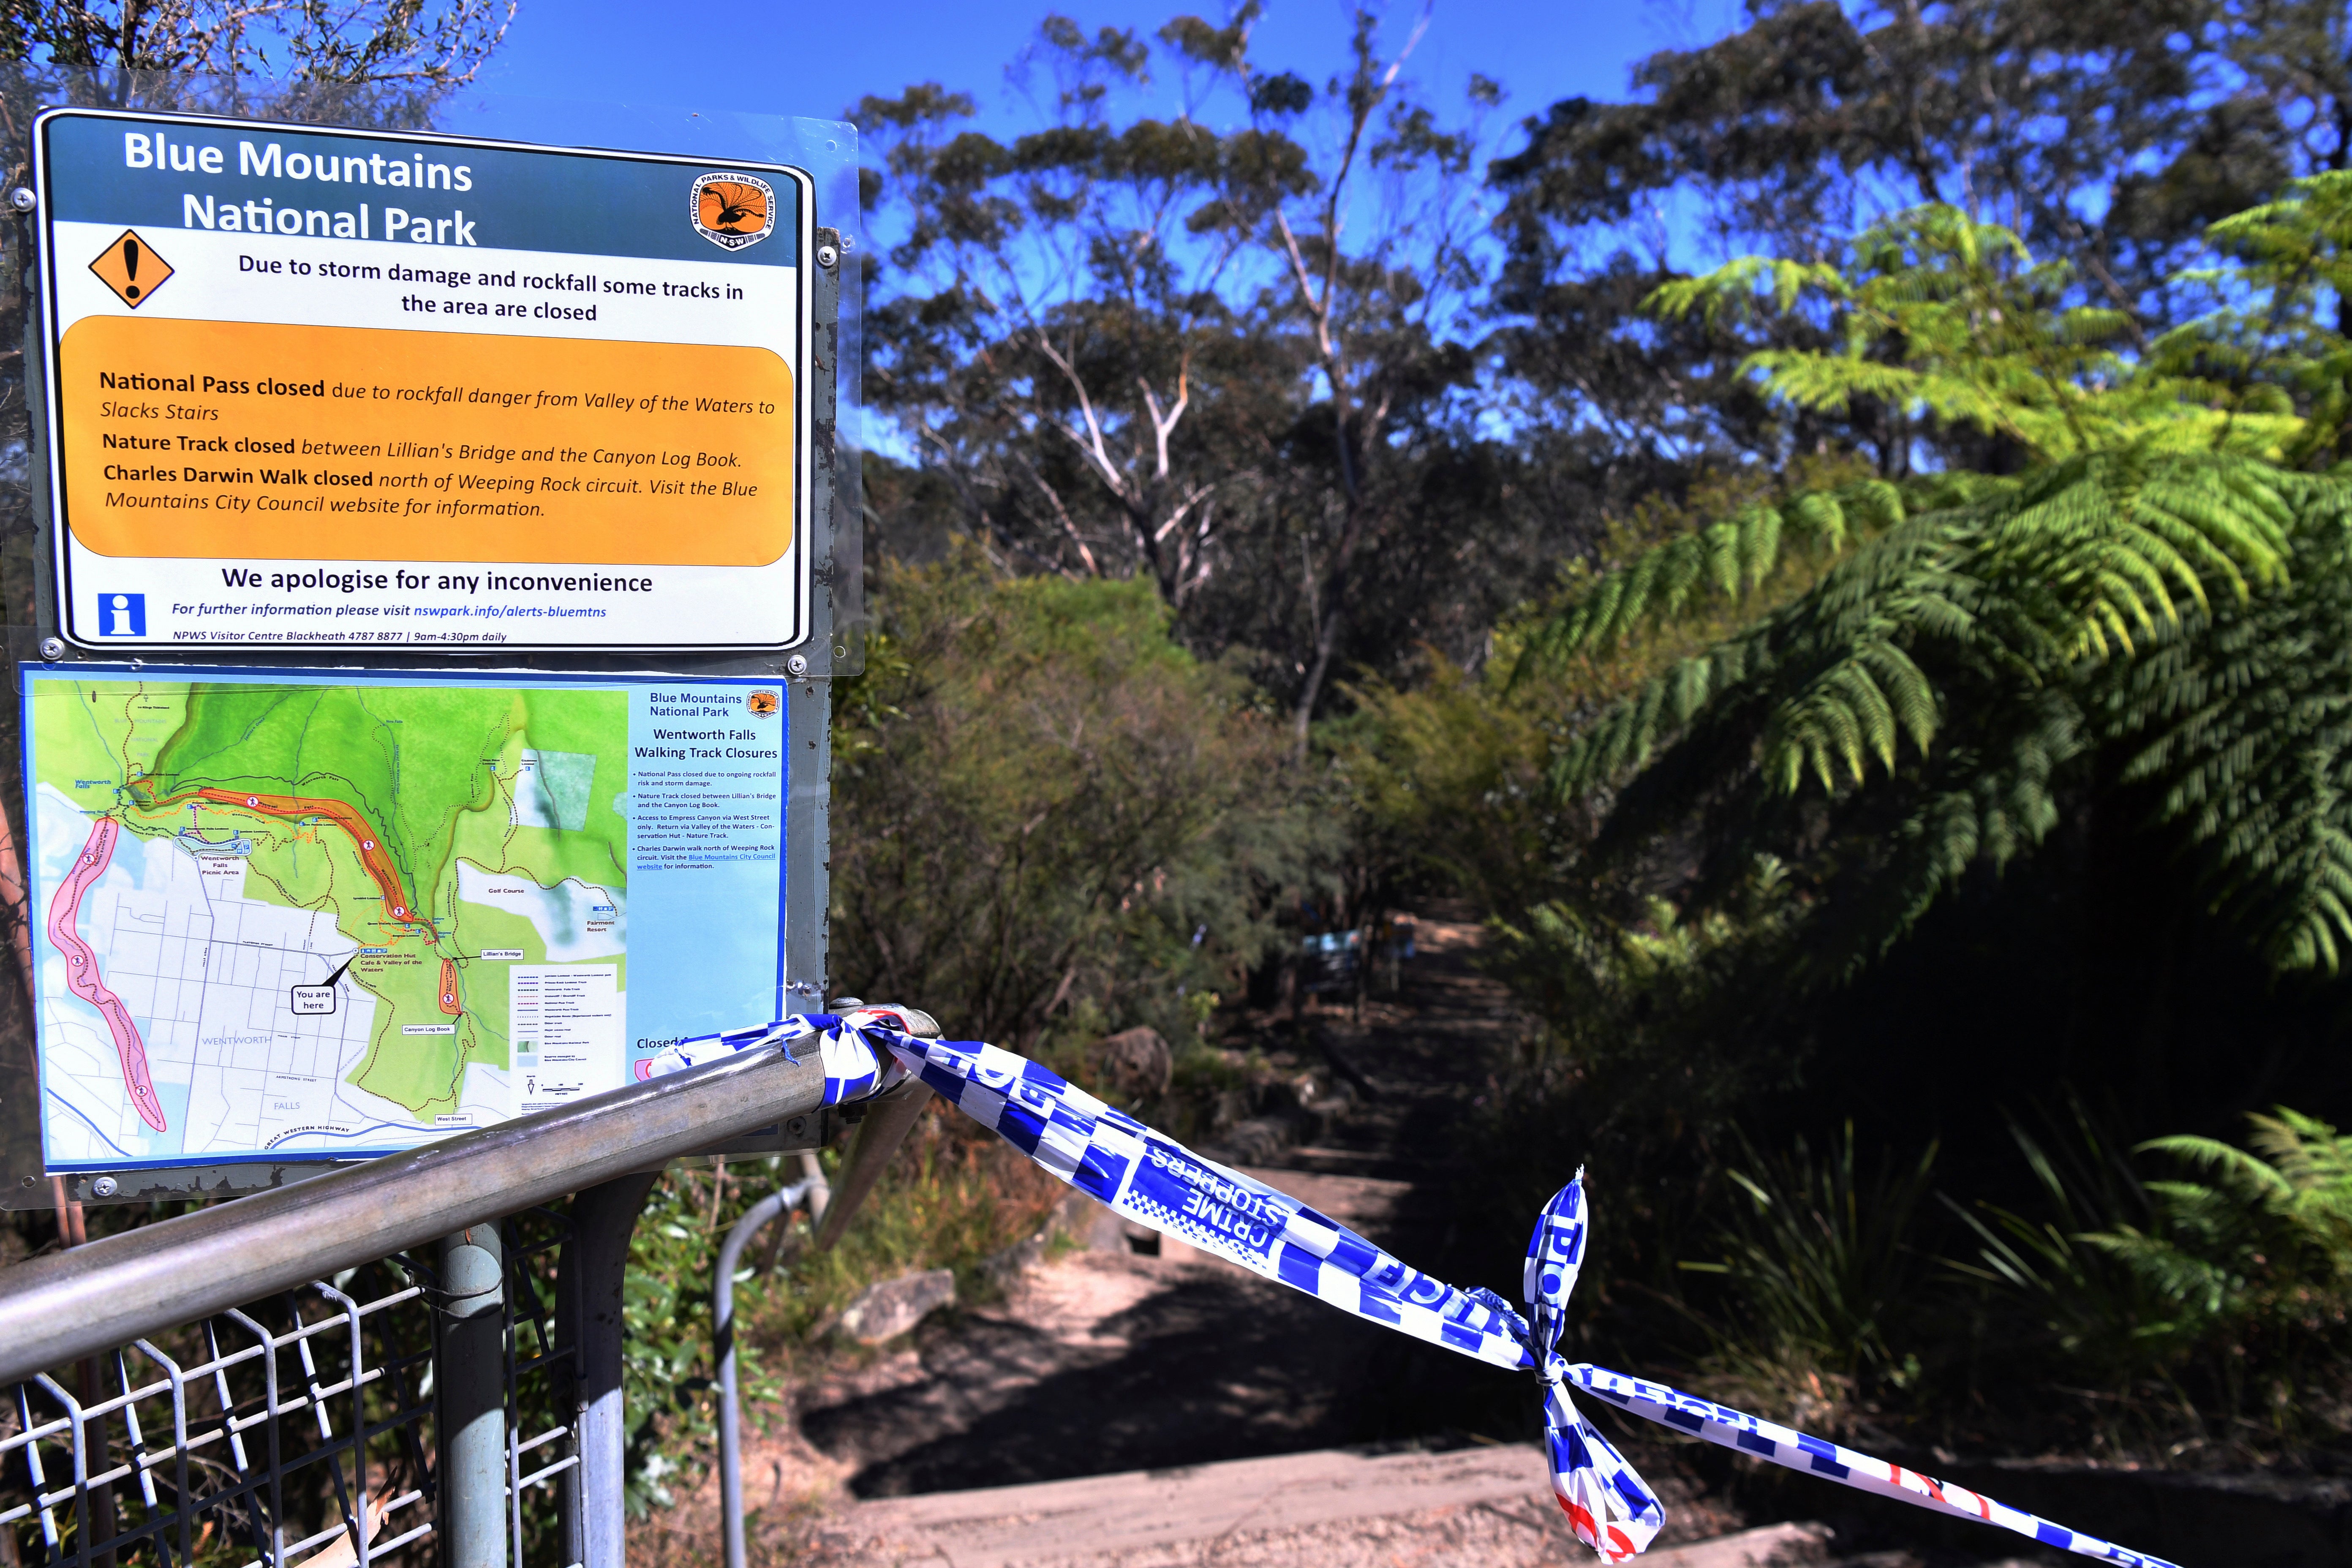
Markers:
(1158, 1182)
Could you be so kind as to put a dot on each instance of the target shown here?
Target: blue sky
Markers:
(765, 58)
(815, 59)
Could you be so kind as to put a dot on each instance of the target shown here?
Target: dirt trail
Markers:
(1114, 1361)
(1116, 1385)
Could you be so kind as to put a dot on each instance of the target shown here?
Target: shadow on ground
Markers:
(1188, 1363)
(1204, 1368)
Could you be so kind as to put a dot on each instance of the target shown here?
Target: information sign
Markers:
(311, 387)
(300, 915)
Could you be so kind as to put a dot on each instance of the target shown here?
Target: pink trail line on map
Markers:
(64, 914)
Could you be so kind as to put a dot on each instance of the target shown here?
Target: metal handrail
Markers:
(58, 1308)
(722, 1344)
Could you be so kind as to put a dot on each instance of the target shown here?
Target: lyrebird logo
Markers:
(732, 211)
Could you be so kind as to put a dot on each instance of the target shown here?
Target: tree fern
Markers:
(2159, 578)
(2269, 350)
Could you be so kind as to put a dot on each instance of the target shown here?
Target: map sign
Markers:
(311, 915)
(311, 387)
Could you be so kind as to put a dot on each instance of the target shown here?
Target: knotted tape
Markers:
(1152, 1179)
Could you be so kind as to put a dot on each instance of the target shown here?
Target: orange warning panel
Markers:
(131, 268)
(239, 440)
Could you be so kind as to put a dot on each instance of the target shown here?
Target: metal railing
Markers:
(302, 1426)
(364, 1364)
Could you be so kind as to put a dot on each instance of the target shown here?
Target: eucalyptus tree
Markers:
(1224, 349)
(1054, 339)
(1375, 261)
(2107, 134)
(415, 44)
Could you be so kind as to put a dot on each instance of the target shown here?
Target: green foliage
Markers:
(1049, 822)
(1654, 1037)
(2120, 598)
(2222, 1304)
(2188, 1314)
(1990, 632)
(1819, 1270)
(2092, 1316)
(2306, 1184)
(1806, 122)
(1446, 779)
(1732, 556)
(2266, 1246)
(1652, 1014)
(2013, 581)
(2266, 344)
(1950, 320)
(2242, 724)
(1043, 807)
(1447, 772)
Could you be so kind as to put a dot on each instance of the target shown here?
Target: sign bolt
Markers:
(797, 664)
(22, 199)
(826, 256)
(53, 649)
(104, 1187)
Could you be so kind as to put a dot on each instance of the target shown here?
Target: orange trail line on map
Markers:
(372, 858)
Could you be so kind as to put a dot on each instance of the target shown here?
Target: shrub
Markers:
(1818, 1267)
(1049, 820)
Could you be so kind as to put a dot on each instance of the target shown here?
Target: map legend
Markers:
(567, 1030)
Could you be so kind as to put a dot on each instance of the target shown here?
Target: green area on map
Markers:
(362, 802)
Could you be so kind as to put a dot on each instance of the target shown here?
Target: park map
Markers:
(299, 918)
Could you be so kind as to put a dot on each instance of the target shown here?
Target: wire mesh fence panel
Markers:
(294, 1432)
(542, 1390)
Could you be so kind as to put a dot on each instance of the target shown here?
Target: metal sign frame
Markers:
(64, 607)
(830, 648)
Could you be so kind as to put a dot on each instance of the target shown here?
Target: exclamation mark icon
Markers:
(130, 266)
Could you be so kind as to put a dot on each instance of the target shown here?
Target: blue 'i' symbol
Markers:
(122, 614)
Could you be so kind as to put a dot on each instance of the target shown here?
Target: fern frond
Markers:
(2247, 732)
(2308, 1152)
(2242, 1170)
(1729, 557)
(1730, 291)
(1626, 736)
(1854, 710)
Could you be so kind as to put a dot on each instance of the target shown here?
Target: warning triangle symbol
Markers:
(131, 268)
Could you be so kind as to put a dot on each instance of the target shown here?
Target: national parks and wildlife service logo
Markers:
(732, 211)
(763, 703)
